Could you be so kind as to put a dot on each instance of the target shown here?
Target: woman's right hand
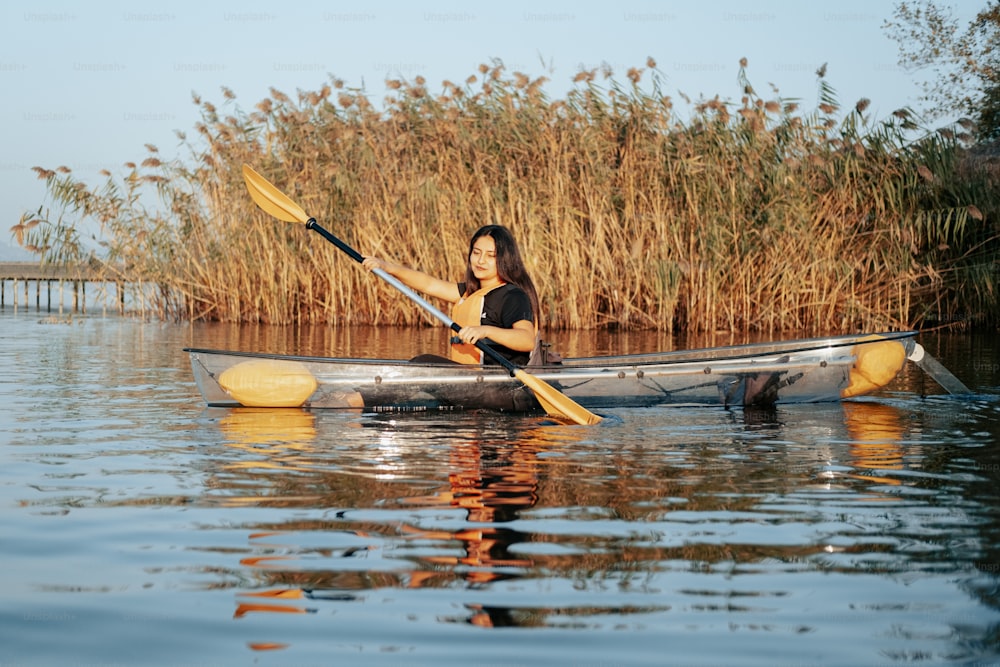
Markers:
(372, 263)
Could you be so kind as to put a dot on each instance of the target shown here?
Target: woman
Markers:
(496, 303)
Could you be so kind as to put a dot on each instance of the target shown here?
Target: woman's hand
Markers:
(520, 337)
(372, 263)
(473, 335)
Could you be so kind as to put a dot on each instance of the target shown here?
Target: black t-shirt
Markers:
(503, 307)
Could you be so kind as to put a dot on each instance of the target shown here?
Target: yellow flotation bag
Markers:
(269, 383)
(875, 365)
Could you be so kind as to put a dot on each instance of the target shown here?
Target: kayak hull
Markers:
(794, 371)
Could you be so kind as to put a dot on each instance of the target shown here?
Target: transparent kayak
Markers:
(759, 374)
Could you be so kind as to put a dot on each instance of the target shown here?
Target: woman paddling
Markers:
(496, 303)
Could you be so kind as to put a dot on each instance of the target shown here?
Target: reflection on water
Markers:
(875, 434)
(136, 516)
(491, 478)
(282, 440)
(492, 505)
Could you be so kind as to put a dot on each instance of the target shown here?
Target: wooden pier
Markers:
(27, 273)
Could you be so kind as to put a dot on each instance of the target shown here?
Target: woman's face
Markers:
(483, 260)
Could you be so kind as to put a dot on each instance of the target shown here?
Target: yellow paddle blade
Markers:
(269, 383)
(271, 199)
(556, 403)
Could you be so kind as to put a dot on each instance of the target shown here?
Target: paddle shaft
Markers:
(416, 298)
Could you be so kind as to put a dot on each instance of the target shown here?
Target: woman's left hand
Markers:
(472, 335)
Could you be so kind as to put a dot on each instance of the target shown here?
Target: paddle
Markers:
(937, 371)
(275, 202)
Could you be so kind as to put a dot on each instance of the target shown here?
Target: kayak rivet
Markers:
(621, 375)
(708, 370)
(639, 374)
(822, 364)
(479, 378)
(378, 379)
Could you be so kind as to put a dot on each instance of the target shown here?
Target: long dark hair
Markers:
(510, 266)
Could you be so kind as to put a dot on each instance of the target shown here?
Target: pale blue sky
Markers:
(87, 85)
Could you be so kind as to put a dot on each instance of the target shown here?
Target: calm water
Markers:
(139, 527)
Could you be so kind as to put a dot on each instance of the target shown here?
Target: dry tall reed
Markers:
(745, 216)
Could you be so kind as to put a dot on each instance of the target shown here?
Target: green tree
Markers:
(964, 64)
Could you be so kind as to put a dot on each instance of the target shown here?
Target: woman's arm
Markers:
(418, 280)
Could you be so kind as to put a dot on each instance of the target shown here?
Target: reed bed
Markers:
(745, 216)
